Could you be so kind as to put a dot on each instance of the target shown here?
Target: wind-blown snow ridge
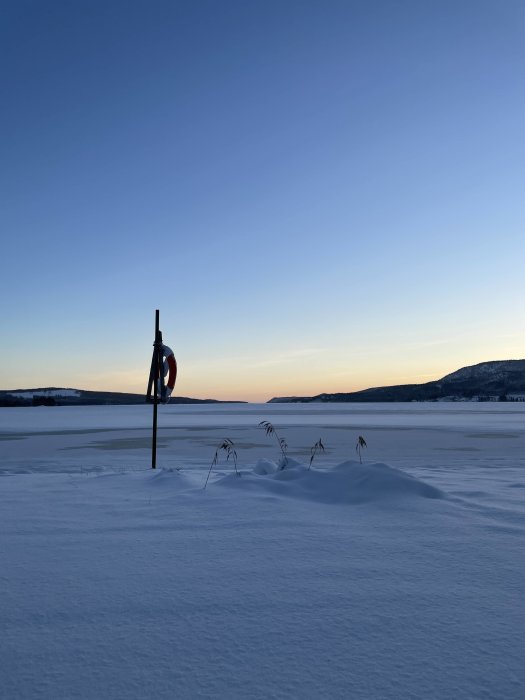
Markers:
(348, 482)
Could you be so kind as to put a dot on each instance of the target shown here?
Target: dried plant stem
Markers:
(314, 450)
(361, 443)
(270, 430)
(227, 446)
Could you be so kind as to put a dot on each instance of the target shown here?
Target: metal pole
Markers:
(155, 392)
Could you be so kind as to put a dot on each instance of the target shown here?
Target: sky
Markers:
(318, 195)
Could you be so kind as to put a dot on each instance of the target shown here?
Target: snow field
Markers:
(397, 578)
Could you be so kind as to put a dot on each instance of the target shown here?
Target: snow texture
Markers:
(401, 577)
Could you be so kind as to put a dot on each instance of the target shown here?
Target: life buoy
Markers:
(169, 370)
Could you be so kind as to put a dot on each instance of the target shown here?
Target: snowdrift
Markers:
(348, 482)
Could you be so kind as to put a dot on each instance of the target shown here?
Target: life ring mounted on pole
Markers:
(169, 370)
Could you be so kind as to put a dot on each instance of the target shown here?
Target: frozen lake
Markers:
(402, 577)
(424, 433)
(444, 442)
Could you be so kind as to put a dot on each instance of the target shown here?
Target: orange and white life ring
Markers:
(169, 370)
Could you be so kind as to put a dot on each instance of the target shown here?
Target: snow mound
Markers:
(264, 467)
(378, 480)
(348, 482)
(167, 478)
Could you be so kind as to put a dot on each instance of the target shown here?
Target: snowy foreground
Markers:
(402, 577)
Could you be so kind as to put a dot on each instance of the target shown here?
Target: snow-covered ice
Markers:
(401, 577)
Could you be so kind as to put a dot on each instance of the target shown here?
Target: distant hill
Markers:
(56, 396)
(499, 379)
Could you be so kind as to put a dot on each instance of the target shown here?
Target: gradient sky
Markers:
(318, 195)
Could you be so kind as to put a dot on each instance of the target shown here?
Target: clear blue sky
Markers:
(318, 195)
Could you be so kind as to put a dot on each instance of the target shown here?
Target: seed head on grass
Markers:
(318, 447)
(361, 444)
(270, 430)
(227, 446)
